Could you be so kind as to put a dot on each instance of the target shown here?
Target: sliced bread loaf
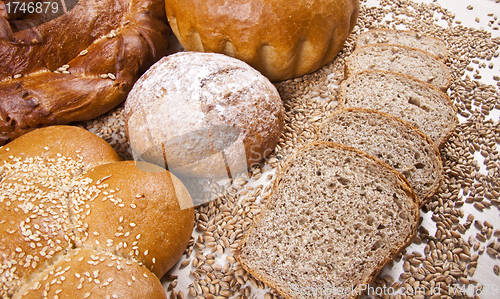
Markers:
(393, 141)
(335, 217)
(404, 38)
(416, 102)
(400, 59)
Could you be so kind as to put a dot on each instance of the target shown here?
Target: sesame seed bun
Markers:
(63, 188)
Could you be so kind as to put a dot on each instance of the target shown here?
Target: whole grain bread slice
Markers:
(400, 59)
(392, 140)
(420, 104)
(335, 217)
(404, 38)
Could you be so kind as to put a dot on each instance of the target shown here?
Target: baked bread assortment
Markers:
(72, 213)
(75, 221)
(335, 217)
(203, 115)
(400, 59)
(397, 143)
(281, 39)
(77, 66)
(404, 38)
(423, 105)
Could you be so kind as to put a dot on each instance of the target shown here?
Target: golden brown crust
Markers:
(442, 54)
(68, 141)
(63, 188)
(110, 276)
(281, 39)
(123, 42)
(147, 217)
(284, 291)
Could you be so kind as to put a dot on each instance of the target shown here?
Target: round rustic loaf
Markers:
(203, 115)
(282, 39)
(70, 209)
(78, 65)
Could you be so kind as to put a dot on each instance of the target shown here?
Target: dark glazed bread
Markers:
(335, 217)
(77, 66)
(397, 143)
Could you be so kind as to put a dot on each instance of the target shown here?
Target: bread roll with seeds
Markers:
(56, 141)
(397, 143)
(400, 59)
(335, 217)
(55, 73)
(141, 222)
(404, 38)
(87, 273)
(75, 193)
(421, 104)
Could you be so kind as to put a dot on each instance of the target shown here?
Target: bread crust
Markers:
(404, 183)
(281, 39)
(106, 46)
(76, 194)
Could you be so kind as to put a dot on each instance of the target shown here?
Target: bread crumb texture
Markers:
(422, 105)
(335, 217)
(391, 140)
(410, 61)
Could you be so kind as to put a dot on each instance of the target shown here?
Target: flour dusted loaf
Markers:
(421, 104)
(397, 143)
(335, 217)
(400, 59)
(203, 115)
(404, 38)
(78, 65)
(282, 39)
(71, 212)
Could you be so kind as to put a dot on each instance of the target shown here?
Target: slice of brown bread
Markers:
(422, 105)
(335, 217)
(404, 38)
(400, 59)
(393, 141)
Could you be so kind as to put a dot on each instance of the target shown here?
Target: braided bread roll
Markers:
(78, 65)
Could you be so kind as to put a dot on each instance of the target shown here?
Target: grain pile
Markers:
(449, 247)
